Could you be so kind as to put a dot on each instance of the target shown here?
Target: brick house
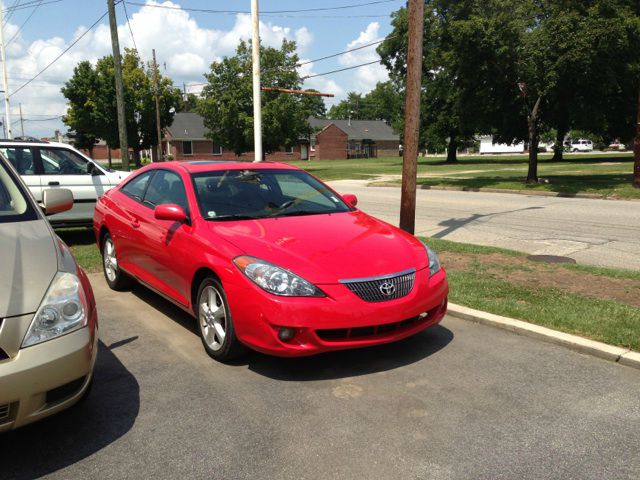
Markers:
(186, 138)
(341, 139)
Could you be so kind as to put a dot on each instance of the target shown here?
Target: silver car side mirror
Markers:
(56, 200)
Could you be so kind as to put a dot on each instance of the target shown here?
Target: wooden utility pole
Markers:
(412, 116)
(21, 121)
(636, 149)
(122, 121)
(157, 95)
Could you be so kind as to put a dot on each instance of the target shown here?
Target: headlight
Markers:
(434, 261)
(275, 279)
(63, 309)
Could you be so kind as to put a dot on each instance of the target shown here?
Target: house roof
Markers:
(359, 129)
(187, 126)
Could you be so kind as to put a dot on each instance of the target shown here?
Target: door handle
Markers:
(53, 184)
(135, 223)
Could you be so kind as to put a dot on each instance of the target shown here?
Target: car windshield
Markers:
(251, 194)
(14, 206)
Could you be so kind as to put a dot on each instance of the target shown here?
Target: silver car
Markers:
(48, 318)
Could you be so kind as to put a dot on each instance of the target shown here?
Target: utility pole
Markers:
(7, 116)
(157, 95)
(21, 121)
(122, 121)
(412, 116)
(257, 100)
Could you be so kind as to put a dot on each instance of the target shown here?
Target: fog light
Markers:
(286, 334)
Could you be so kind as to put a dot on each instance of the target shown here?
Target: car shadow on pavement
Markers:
(61, 440)
(354, 362)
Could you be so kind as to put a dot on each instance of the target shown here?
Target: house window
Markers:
(187, 148)
(313, 144)
(217, 149)
(288, 149)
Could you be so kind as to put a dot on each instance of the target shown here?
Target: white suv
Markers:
(581, 145)
(44, 165)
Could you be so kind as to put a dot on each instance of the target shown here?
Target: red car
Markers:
(267, 256)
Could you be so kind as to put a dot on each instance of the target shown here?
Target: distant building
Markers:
(333, 139)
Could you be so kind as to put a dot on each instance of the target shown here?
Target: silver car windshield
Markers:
(250, 194)
(14, 206)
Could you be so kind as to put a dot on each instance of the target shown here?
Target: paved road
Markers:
(596, 232)
(459, 401)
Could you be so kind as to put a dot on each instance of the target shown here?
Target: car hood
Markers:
(327, 248)
(29, 262)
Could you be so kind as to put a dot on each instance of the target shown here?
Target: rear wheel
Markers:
(214, 322)
(115, 277)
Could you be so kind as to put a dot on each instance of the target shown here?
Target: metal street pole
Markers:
(257, 105)
(21, 121)
(122, 121)
(412, 116)
(7, 115)
(157, 95)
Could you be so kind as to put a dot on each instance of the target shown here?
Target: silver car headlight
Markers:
(434, 261)
(63, 309)
(275, 279)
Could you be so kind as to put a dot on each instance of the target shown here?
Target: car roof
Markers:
(201, 166)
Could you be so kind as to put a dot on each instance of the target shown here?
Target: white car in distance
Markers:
(44, 165)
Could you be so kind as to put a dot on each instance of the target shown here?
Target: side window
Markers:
(187, 147)
(21, 158)
(166, 187)
(136, 187)
(57, 161)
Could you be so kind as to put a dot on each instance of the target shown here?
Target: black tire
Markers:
(113, 274)
(220, 344)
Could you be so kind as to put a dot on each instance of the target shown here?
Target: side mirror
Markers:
(92, 170)
(171, 212)
(56, 200)
(351, 199)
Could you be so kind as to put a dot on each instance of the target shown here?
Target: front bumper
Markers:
(341, 320)
(46, 378)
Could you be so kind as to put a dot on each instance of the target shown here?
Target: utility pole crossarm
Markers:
(296, 92)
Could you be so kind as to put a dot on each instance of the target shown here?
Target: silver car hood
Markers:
(28, 263)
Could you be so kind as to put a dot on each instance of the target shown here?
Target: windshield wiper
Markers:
(297, 213)
(234, 217)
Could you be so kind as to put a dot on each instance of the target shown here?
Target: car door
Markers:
(165, 242)
(63, 168)
(23, 160)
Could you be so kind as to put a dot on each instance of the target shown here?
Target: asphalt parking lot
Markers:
(458, 401)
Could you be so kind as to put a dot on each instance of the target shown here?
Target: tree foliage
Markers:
(227, 102)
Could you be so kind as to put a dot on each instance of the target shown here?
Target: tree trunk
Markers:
(636, 150)
(109, 156)
(534, 139)
(558, 147)
(136, 157)
(91, 152)
(452, 149)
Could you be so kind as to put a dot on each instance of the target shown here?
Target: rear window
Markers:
(14, 203)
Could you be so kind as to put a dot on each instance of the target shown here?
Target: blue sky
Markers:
(186, 42)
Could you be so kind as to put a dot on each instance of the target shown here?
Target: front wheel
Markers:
(115, 277)
(214, 322)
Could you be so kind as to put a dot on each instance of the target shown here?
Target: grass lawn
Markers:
(604, 174)
(598, 303)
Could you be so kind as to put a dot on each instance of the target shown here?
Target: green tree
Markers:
(80, 91)
(227, 103)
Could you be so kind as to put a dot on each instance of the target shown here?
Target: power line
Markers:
(340, 70)
(60, 56)
(24, 23)
(264, 12)
(124, 5)
(23, 6)
(346, 51)
(11, 10)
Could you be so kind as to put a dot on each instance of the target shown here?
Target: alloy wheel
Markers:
(212, 317)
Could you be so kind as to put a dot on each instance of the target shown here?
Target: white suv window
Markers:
(21, 158)
(56, 161)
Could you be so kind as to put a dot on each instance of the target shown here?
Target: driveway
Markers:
(594, 232)
(458, 401)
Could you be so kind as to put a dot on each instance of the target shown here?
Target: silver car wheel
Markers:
(110, 260)
(212, 317)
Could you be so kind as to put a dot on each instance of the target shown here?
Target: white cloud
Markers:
(365, 78)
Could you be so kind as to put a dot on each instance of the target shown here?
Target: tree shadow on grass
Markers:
(61, 440)
(493, 160)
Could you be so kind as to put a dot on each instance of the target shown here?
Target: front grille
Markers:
(381, 289)
(362, 333)
(4, 412)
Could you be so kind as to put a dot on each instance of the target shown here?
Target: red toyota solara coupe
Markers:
(267, 256)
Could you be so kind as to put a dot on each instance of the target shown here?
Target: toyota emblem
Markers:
(387, 289)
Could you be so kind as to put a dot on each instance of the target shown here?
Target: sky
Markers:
(186, 42)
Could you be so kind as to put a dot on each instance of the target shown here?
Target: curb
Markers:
(620, 355)
(539, 193)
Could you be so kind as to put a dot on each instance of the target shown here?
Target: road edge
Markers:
(612, 353)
